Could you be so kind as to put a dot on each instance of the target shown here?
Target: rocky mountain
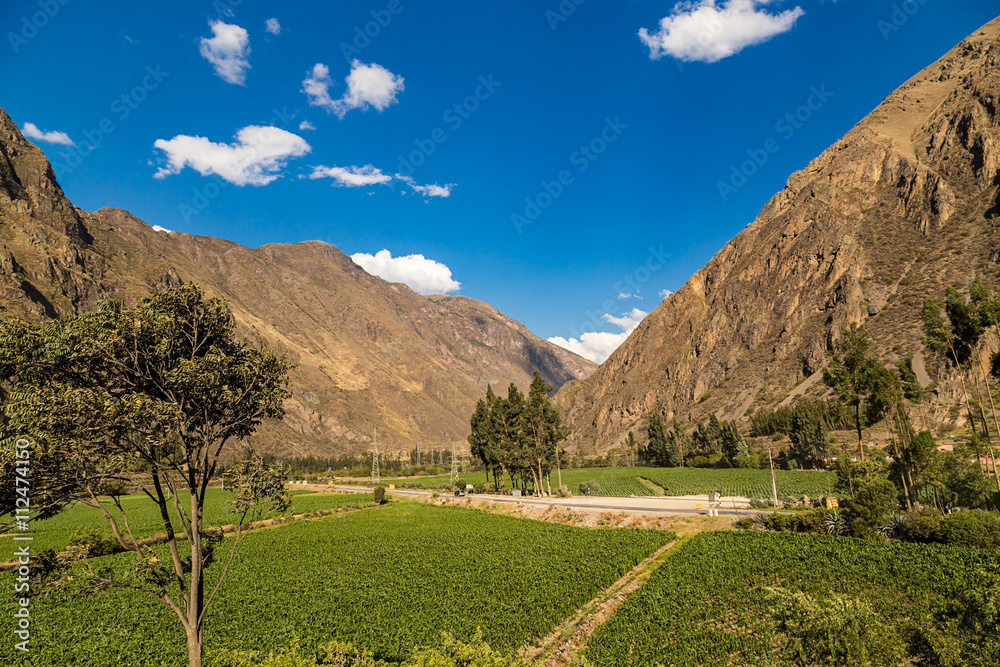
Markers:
(368, 353)
(903, 206)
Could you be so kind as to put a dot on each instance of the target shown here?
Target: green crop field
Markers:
(740, 482)
(623, 482)
(387, 579)
(710, 603)
(144, 516)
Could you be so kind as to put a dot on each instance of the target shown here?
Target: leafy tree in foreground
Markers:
(165, 386)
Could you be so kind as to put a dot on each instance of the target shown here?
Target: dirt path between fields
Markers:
(561, 645)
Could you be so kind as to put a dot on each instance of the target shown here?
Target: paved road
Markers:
(648, 505)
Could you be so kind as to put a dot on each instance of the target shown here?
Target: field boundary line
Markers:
(569, 638)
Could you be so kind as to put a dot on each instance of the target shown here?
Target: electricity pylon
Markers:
(375, 472)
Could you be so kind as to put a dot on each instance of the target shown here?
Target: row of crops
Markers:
(145, 521)
(623, 482)
(386, 579)
(740, 482)
(725, 598)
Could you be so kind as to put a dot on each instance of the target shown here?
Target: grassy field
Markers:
(387, 579)
(718, 600)
(622, 482)
(144, 516)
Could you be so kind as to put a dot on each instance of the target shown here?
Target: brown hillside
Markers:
(368, 352)
(901, 207)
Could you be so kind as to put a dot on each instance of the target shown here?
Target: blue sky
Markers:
(581, 157)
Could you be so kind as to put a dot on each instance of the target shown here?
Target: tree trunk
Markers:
(857, 415)
(993, 409)
(774, 483)
(194, 642)
(902, 473)
(558, 468)
(965, 390)
(196, 601)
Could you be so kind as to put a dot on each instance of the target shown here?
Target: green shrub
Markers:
(743, 523)
(977, 529)
(591, 488)
(810, 521)
(833, 630)
(94, 543)
(875, 501)
(379, 493)
(923, 526)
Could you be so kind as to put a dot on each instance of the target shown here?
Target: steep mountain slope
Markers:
(904, 205)
(368, 353)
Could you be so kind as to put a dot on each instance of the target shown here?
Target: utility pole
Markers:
(376, 478)
(454, 463)
(774, 484)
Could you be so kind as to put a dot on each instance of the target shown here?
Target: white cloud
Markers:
(273, 26)
(228, 51)
(306, 125)
(424, 276)
(664, 293)
(598, 345)
(708, 31)
(256, 157)
(31, 131)
(367, 86)
(626, 295)
(352, 177)
(157, 228)
(432, 190)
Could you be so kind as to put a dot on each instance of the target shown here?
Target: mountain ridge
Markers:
(900, 207)
(368, 353)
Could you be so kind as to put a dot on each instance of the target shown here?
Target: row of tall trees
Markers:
(519, 436)
(712, 438)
